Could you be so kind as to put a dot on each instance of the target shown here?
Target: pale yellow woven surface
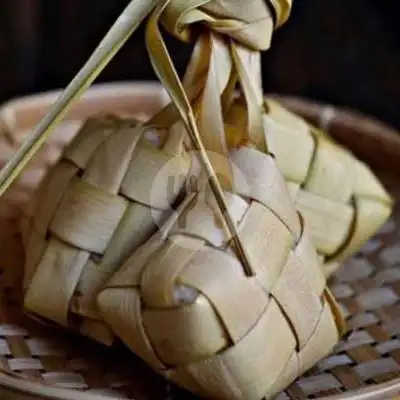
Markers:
(223, 319)
(183, 303)
(344, 204)
(95, 206)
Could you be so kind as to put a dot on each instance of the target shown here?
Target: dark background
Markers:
(345, 52)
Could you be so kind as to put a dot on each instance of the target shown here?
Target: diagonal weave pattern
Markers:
(342, 201)
(94, 207)
(183, 303)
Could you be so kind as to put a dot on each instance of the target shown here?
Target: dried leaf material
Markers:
(166, 72)
(183, 301)
(251, 25)
(80, 199)
(210, 83)
(252, 28)
(343, 202)
(184, 305)
(282, 10)
(114, 185)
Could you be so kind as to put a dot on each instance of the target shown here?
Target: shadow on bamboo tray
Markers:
(38, 362)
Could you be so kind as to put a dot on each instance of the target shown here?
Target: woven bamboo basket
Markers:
(41, 362)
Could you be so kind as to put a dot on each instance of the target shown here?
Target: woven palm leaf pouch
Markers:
(228, 299)
(344, 204)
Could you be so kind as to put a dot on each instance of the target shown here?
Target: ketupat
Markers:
(86, 274)
(245, 31)
(185, 301)
(342, 201)
(95, 206)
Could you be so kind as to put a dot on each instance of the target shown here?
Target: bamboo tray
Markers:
(38, 362)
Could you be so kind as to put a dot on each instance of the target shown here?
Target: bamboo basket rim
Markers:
(112, 88)
(376, 136)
